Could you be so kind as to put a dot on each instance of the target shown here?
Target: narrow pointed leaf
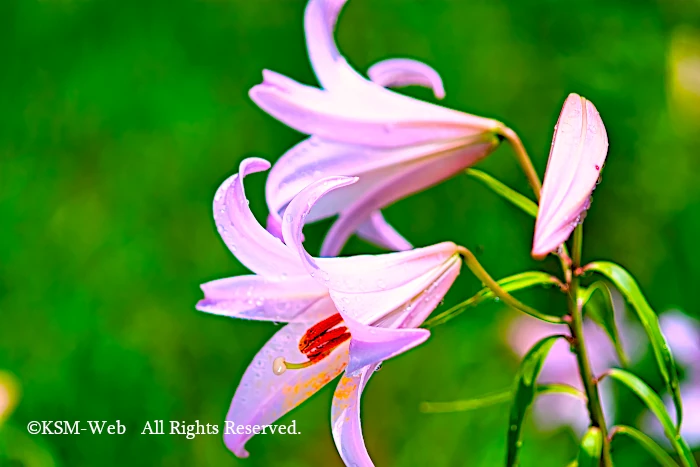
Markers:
(510, 284)
(601, 309)
(524, 393)
(468, 404)
(649, 445)
(626, 284)
(555, 388)
(494, 399)
(591, 448)
(509, 194)
(656, 406)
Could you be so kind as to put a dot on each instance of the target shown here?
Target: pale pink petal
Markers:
(579, 149)
(252, 245)
(255, 297)
(370, 345)
(364, 273)
(399, 72)
(431, 296)
(387, 120)
(274, 224)
(405, 306)
(411, 178)
(262, 397)
(316, 158)
(345, 418)
(331, 69)
(378, 231)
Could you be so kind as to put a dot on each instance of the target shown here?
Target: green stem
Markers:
(579, 345)
(523, 159)
(488, 281)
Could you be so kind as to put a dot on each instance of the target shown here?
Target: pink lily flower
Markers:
(397, 145)
(349, 312)
(579, 149)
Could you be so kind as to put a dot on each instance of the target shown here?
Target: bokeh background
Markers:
(119, 119)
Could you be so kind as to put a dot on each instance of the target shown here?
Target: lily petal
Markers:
(398, 72)
(257, 298)
(364, 273)
(345, 418)
(401, 306)
(262, 396)
(378, 231)
(389, 120)
(252, 245)
(410, 179)
(579, 149)
(370, 344)
(331, 69)
(316, 158)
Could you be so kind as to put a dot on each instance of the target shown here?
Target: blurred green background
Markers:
(119, 119)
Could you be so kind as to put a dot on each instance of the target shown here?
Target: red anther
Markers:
(318, 329)
(323, 339)
(323, 350)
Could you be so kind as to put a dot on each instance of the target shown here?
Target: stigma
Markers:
(316, 344)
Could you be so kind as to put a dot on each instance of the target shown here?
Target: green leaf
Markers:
(524, 280)
(600, 307)
(468, 404)
(664, 359)
(524, 393)
(509, 194)
(495, 398)
(591, 448)
(645, 442)
(560, 389)
(656, 406)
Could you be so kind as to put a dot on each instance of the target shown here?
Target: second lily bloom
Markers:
(397, 145)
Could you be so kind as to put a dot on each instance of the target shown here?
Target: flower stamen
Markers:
(317, 343)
